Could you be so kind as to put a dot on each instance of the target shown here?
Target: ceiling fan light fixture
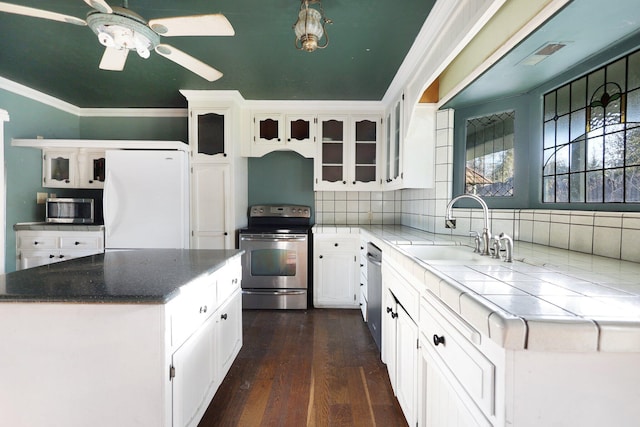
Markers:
(310, 26)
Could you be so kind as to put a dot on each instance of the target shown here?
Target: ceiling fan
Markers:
(121, 30)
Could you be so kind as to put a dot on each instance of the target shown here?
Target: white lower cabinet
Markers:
(40, 247)
(203, 358)
(195, 362)
(400, 343)
(335, 270)
(456, 381)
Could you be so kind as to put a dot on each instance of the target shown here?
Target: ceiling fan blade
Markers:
(39, 13)
(99, 5)
(113, 59)
(189, 62)
(195, 25)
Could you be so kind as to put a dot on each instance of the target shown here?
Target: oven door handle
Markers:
(273, 239)
(281, 292)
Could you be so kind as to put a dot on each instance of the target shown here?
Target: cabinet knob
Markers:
(344, 182)
(335, 244)
(389, 309)
(394, 315)
(437, 340)
(361, 284)
(226, 234)
(224, 154)
(76, 243)
(90, 181)
(203, 309)
(223, 316)
(320, 257)
(354, 183)
(51, 256)
(61, 256)
(36, 243)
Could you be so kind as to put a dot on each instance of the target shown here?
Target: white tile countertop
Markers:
(547, 299)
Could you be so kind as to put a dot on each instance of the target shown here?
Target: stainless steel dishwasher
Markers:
(374, 291)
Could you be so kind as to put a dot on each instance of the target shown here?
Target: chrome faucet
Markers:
(450, 221)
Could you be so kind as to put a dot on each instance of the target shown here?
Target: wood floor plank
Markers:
(313, 368)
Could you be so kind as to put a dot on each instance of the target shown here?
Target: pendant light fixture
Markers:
(309, 27)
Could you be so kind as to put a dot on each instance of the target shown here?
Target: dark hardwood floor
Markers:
(315, 367)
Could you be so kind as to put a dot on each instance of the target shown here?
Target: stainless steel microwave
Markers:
(70, 211)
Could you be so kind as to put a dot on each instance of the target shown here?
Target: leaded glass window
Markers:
(591, 137)
(489, 162)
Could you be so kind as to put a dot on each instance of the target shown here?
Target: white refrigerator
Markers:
(146, 199)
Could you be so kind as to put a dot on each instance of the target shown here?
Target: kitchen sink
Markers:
(446, 255)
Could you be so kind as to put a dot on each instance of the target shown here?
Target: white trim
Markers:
(513, 41)
(51, 101)
(36, 95)
(100, 144)
(133, 112)
(4, 117)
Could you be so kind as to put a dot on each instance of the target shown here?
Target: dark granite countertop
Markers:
(150, 276)
(52, 226)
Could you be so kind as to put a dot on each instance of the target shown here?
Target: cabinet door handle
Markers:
(223, 316)
(389, 309)
(437, 340)
(203, 309)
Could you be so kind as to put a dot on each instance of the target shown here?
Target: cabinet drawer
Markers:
(467, 365)
(80, 242)
(328, 244)
(229, 280)
(195, 304)
(37, 242)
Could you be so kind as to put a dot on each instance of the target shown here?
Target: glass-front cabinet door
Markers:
(59, 169)
(331, 161)
(209, 135)
(366, 148)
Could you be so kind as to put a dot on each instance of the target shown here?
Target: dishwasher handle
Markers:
(373, 259)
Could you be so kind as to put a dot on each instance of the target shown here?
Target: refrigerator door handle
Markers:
(109, 202)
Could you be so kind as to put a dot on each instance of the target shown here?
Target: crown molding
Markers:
(66, 107)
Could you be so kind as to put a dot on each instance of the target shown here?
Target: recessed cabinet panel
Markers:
(211, 136)
(269, 130)
(299, 130)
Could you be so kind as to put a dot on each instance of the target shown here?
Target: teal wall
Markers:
(281, 177)
(29, 119)
(528, 137)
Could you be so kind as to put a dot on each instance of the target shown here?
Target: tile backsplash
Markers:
(357, 207)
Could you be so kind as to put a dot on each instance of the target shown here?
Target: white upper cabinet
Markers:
(59, 168)
(409, 151)
(278, 131)
(73, 168)
(348, 153)
(209, 135)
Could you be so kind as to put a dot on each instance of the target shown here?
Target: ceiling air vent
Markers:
(543, 53)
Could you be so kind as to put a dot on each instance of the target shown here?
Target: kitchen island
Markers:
(124, 338)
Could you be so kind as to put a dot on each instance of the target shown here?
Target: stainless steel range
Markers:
(275, 263)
